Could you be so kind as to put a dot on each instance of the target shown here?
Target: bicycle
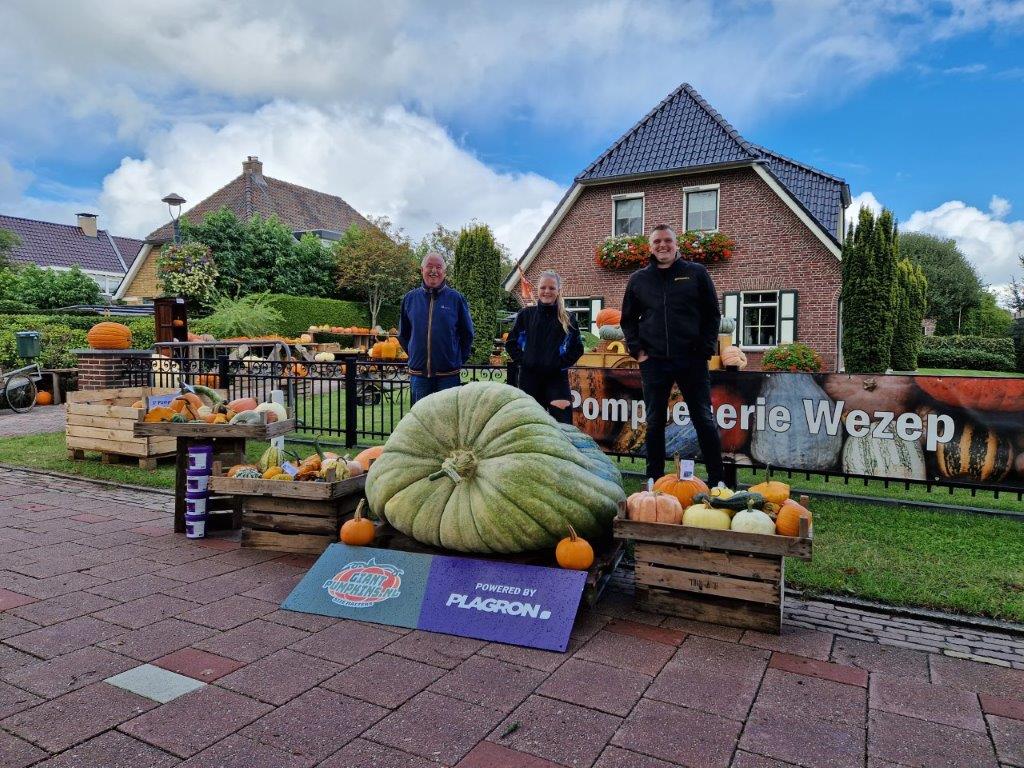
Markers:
(19, 387)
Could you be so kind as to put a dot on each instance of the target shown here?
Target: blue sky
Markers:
(483, 110)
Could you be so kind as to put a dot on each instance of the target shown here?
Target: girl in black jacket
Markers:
(544, 342)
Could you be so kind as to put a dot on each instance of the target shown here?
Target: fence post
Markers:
(512, 374)
(223, 376)
(350, 401)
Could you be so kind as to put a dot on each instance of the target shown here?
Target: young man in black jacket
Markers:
(670, 319)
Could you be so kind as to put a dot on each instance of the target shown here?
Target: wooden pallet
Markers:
(307, 491)
(103, 420)
(607, 556)
(721, 577)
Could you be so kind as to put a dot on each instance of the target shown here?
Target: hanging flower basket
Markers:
(706, 247)
(623, 252)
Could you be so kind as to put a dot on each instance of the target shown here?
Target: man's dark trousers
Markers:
(658, 375)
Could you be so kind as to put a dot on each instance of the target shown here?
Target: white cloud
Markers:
(992, 244)
(863, 200)
(391, 162)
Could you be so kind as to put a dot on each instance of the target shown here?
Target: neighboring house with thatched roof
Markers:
(299, 208)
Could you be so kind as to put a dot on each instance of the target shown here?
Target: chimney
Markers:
(252, 164)
(87, 223)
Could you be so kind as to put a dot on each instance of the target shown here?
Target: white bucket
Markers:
(195, 529)
(200, 458)
(197, 483)
(195, 506)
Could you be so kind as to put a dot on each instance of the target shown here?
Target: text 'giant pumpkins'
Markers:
(484, 468)
(108, 335)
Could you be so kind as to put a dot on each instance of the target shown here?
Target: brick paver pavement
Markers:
(42, 418)
(94, 584)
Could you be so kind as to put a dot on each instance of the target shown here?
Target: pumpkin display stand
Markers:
(298, 517)
(607, 556)
(720, 577)
(228, 440)
(104, 420)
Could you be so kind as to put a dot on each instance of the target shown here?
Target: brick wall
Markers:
(774, 249)
(100, 370)
(145, 285)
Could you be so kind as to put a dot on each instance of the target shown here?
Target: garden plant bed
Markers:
(607, 555)
(723, 577)
(104, 420)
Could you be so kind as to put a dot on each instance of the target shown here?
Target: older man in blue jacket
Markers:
(435, 330)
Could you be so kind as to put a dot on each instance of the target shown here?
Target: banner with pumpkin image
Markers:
(960, 429)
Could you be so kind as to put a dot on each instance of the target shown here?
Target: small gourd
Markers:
(272, 472)
(359, 531)
(248, 473)
(734, 357)
(774, 491)
(233, 471)
(574, 552)
(753, 520)
(159, 414)
(652, 506)
(703, 515)
(787, 523)
(611, 333)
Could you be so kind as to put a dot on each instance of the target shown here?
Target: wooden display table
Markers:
(228, 441)
(721, 577)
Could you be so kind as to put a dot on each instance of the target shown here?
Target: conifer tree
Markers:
(912, 301)
(476, 273)
(869, 292)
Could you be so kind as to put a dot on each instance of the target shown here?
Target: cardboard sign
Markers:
(156, 401)
(503, 602)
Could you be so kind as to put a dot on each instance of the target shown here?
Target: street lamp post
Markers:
(174, 202)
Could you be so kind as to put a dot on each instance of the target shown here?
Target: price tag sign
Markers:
(290, 468)
(685, 469)
(156, 401)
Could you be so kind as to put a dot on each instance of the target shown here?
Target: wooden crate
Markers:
(263, 431)
(103, 420)
(721, 577)
(306, 491)
(607, 360)
(301, 526)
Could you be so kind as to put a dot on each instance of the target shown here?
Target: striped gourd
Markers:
(484, 468)
(975, 453)
(879, 457)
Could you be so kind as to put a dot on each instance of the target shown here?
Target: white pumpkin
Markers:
(275, 408)
(879, 457)
(753, 521)
(797, 447)
(324, 357)
(702, 516)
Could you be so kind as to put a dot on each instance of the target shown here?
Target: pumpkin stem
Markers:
(572, 533)
(359, 510)
(459, 466)
(650, 484)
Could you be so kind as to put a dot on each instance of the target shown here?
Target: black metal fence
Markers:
(355, 400)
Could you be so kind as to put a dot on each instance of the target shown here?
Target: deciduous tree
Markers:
(372, 267)
(953, 284)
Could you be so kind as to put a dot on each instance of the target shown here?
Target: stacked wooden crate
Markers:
(104, 420)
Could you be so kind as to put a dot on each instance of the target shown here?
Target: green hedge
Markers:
(1002, 346)
(1018, 342)
(61, 334)
(965, 359)
(300, 312)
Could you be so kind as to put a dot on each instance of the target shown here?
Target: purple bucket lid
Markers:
(195, 518)
(199, 472)
(196, 496)
(202, 448)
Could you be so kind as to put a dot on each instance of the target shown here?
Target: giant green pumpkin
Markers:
(484, 468)
(600, 464)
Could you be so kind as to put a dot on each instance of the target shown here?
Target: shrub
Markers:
(14, 307)
(308, 268)
(251, 315)
(791, 357)
(995, 346)
(300, 312)
(49, 288)
(965, 359)
(58, 343)
(188, 270)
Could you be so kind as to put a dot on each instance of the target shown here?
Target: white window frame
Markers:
(596, 305)
(740, 324)
(716, 188)
(643, 209)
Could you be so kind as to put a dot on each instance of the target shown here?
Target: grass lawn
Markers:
(971, 564)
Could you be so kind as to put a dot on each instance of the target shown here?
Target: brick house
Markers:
(684, 165)
(300, 209)
(104, 257)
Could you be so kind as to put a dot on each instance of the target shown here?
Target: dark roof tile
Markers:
(47, 244)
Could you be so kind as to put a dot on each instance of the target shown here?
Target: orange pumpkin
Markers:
(44, 398)
(683, 490)
(108, 335)
(359, 531)
(369, 455)
(243, 404)
(654, 507)
(211, 380)
(158, 414)
(788, 521)
(608, 316)
(574, 552)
